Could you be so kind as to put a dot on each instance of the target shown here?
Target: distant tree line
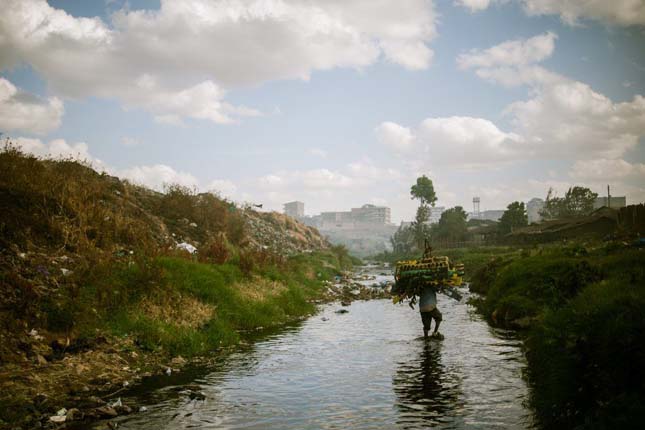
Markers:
(453, 226)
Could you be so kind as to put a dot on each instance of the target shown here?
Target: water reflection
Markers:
(427, 393)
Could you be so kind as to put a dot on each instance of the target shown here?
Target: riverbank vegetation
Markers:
(99, 276)
(581, 310)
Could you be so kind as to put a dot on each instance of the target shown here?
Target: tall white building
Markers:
(295, 209)
(533, 208)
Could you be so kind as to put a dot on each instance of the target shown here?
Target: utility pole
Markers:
(608, 197)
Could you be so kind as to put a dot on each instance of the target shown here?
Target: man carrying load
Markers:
(424, 278)
(429, 310)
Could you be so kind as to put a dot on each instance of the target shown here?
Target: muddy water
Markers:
(365, 369)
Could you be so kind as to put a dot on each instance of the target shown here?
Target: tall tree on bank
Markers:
(452, 225)
(578, 201)
(423, 191)
(514, 216)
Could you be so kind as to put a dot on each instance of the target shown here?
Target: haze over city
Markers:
(334, 103)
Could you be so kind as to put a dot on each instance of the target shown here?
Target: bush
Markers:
(586, 359)
(216, 250)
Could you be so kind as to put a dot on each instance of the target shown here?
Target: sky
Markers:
(335, 103)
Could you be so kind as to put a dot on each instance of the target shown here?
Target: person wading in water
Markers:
(429, 310)
(428, 303)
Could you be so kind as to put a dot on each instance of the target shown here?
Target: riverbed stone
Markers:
(106, 412)
(74, 414)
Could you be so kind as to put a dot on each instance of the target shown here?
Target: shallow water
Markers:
(366, 369)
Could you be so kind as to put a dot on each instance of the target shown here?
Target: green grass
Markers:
(585, 340)
(214, 285)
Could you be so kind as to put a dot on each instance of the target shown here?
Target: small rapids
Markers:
(365, 369)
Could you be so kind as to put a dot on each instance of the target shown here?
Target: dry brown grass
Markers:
(260, 289)
(180, 311)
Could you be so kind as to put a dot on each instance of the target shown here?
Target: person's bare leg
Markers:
(436, 327)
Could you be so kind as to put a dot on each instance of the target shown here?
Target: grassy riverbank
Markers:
(103, 282)
(581, 310)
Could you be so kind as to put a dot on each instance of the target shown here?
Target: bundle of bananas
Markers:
(411, 276)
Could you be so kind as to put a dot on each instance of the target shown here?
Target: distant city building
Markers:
(435, 214)
(365, 216)
(370, 214)
(491, 215)
(364, 231)
(533, 208)
(295, 209)
(614, 202)
(336, 220)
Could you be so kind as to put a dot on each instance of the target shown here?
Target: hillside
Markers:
(99, 277)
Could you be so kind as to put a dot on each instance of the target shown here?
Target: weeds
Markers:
(585, 340)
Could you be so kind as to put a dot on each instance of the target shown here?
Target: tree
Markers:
(420, 226)
(403, 241)
(423, 190)
(578, 201)
(514, 216)
(452, 225)
(552, 206)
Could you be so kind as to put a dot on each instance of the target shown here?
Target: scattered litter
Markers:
(187, 247)
(168, 371)
(34, 333)
(116, 403)
(143, 409)
(61, 412)
(58, 419)
(66, 272)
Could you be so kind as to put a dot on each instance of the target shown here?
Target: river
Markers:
(368, 368)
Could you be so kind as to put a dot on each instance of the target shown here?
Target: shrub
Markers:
(586, 359)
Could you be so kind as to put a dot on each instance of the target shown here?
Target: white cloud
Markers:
(322, 188)
(57, 148)
(455, 141)
(570, 119)
(223, 187)
(621, 12)
(511, 53)
(395, 136)
(474, 5)
(604, 169)
(563, 117)
(617, 12)
(21, 111)
(157, 176)
(154, 176)
(177, 62)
